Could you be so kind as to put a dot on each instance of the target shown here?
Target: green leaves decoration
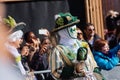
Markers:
(10, 21)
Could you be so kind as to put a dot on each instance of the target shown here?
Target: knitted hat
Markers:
(63, 20)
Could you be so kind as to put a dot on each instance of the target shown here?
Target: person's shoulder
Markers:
(97, 53)
(61, 47)
(96, 36)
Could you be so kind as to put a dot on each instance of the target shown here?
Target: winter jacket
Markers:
(107, 61)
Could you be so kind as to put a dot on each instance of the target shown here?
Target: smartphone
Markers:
(43, 31)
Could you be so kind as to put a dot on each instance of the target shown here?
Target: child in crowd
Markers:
(106, 58)
(39, 60)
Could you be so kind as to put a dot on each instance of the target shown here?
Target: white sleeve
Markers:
(13, 50)
(17, 56)
(21, 67)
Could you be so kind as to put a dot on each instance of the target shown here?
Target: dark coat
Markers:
(112, 23)
(39, 62)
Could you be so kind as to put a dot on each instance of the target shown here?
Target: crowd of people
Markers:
(69, 52)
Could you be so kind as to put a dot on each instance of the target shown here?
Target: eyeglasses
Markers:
(91, 29)
(79, 33)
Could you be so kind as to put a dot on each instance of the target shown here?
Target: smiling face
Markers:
(90, 31)
(29, 36)
(79, 34)
(17, 43)
(46, 42)
(15, 38)
(105, 49)
(25, 50)
(101, 45)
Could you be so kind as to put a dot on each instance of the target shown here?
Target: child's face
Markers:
(105, 49)
(25, 51)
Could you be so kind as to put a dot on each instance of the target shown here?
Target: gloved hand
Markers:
(82, 53)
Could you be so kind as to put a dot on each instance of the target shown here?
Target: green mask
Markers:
(72, 31)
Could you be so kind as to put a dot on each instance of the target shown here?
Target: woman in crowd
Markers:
(106, 58)
(80, 34)
(39, 60)
(32, 42)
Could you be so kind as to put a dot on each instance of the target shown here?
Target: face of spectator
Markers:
(18, 42)
(105, 49)
(45, 46)
(79, 35)
(90, 31)
(46, 42)
(25, 51)
(31, 36)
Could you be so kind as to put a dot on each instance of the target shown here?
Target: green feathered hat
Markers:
(15, 29)
(63, 20)
(11, 23)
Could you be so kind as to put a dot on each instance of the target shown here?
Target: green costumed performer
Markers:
(64, 55)
(14, 40)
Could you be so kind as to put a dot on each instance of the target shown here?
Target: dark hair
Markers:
(54, 38)
(27, 36)
(43, 38)
(87, 25)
